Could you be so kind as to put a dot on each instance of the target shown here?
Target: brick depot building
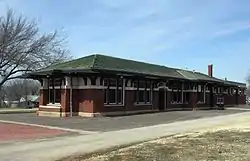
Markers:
(102, 85)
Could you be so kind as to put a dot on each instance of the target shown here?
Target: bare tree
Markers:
(18, 88)
(248, 85)
(23, 48)
(3, 96)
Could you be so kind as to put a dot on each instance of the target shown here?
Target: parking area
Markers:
(102, 124)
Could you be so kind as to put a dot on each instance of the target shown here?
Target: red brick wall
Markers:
(229, 99)
(155, 100)
(89, 100)
(85, 98)
(43, 99)
(65, 94)
(242, 99)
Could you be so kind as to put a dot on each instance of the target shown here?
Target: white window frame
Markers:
(115, 87)
(144, 89)
(204, 94)
(50, 87)
(173, 90)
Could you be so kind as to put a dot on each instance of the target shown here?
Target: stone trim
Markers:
(143, 104)
(55, 114)
(130, 88)
(114, 104)
(128, 112)
(50, 106)
(86, 114)
(52, 114)
(89, 87)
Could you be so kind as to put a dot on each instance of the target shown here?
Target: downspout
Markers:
(70, 98)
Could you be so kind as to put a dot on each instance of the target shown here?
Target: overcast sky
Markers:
(177, 33)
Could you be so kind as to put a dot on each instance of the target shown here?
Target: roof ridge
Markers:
(94, 61)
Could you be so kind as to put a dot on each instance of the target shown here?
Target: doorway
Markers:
(211, 95)
(162, 99)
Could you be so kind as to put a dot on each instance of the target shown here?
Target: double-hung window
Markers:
(113, 93)
(55, 90)
(143, 92)
(201, 94)
(177, 95)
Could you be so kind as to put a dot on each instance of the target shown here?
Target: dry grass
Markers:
(216, 145)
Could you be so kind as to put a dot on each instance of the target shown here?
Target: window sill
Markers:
(50, 105)
(176, 103)
(113, 104)
(54, 104)
(142, 104)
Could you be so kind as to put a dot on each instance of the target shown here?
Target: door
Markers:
(162, 96)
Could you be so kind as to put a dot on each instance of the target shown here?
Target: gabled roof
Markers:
(98, 62)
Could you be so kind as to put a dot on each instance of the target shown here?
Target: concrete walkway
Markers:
(55, 148)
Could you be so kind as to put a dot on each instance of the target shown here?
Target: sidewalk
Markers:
(65, 146)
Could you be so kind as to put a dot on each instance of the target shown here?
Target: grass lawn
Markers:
(217, 145)
(17, 110)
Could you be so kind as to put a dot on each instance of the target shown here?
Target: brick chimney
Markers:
(210, 70)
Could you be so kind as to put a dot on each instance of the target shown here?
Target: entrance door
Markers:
(162, 96)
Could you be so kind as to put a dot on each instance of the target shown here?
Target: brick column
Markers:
(155, 99)
(168, 97)
(65, 102)
(43, 99)
(193, 100)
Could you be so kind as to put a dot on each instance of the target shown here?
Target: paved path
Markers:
(55, 148)
(105, 124)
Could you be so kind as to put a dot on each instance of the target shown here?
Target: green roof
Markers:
(99, 62)
(241, 85)
(102, 62)
(193, 75)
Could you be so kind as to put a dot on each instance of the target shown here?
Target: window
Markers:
(218, 90)
(231, 91)
(55, 90)
(201, 94)
(186, 97)
(187, 87)
(214, 89)
(143, 92)
(113, 94)
(176, 95)
(234, 91)
(226, 90)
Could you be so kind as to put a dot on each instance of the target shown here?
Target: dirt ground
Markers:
(231, 142)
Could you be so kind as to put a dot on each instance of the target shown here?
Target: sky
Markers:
(187, 34)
